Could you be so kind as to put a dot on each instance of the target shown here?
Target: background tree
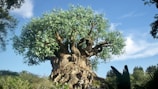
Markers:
(152, 83)
(69, 39)
(7, 72)
(7, 22)
(151, 77)
(154, 25)
(152, 68)
(111, 78)
(139, 76)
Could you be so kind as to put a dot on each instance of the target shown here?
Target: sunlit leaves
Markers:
(38, 37)
(13, 82)
(116, 45)
(27, 80)
(38, 41)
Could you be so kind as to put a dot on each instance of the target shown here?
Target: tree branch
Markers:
(98, 48)
(63, 46)
(92, 25)
(88, 42)
(58, 38)
(89, 50)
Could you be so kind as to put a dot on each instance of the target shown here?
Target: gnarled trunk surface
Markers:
(76, 72)
(71, 64)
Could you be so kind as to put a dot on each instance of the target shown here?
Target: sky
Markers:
(131, 17)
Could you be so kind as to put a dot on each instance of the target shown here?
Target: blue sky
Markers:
(131, 17)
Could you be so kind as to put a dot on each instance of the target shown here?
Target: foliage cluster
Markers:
(26, 80)
(44, 37)
(154, 24)
(7, 22)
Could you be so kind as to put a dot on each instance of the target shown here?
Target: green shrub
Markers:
(13, 82)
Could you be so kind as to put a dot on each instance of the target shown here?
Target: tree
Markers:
(138, 75)
(111, 78)
(152, 83)
(151, 69)
(7, 22)
(7, 72)
(70, 39)
(154, 25)
(110, 74)
(153, 73)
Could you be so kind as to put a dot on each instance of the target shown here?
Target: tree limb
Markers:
(92, 26)
(63, 47)
(98, 48)
(85, 51)
(58, 38)
(89, 50)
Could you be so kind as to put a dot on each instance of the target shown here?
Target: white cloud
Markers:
(137, 46)
(138, 49)
(131, 14)
(99, 11)
(26, 10)
(113, 26)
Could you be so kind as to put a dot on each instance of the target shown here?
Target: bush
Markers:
(13, 82)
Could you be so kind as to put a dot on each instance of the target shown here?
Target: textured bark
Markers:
(76, 73)
(71, 64)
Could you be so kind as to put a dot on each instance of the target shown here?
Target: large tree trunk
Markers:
(76, 72)
(72, 70)
(71, 64)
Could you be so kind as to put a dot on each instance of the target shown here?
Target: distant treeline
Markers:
(7, 72)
